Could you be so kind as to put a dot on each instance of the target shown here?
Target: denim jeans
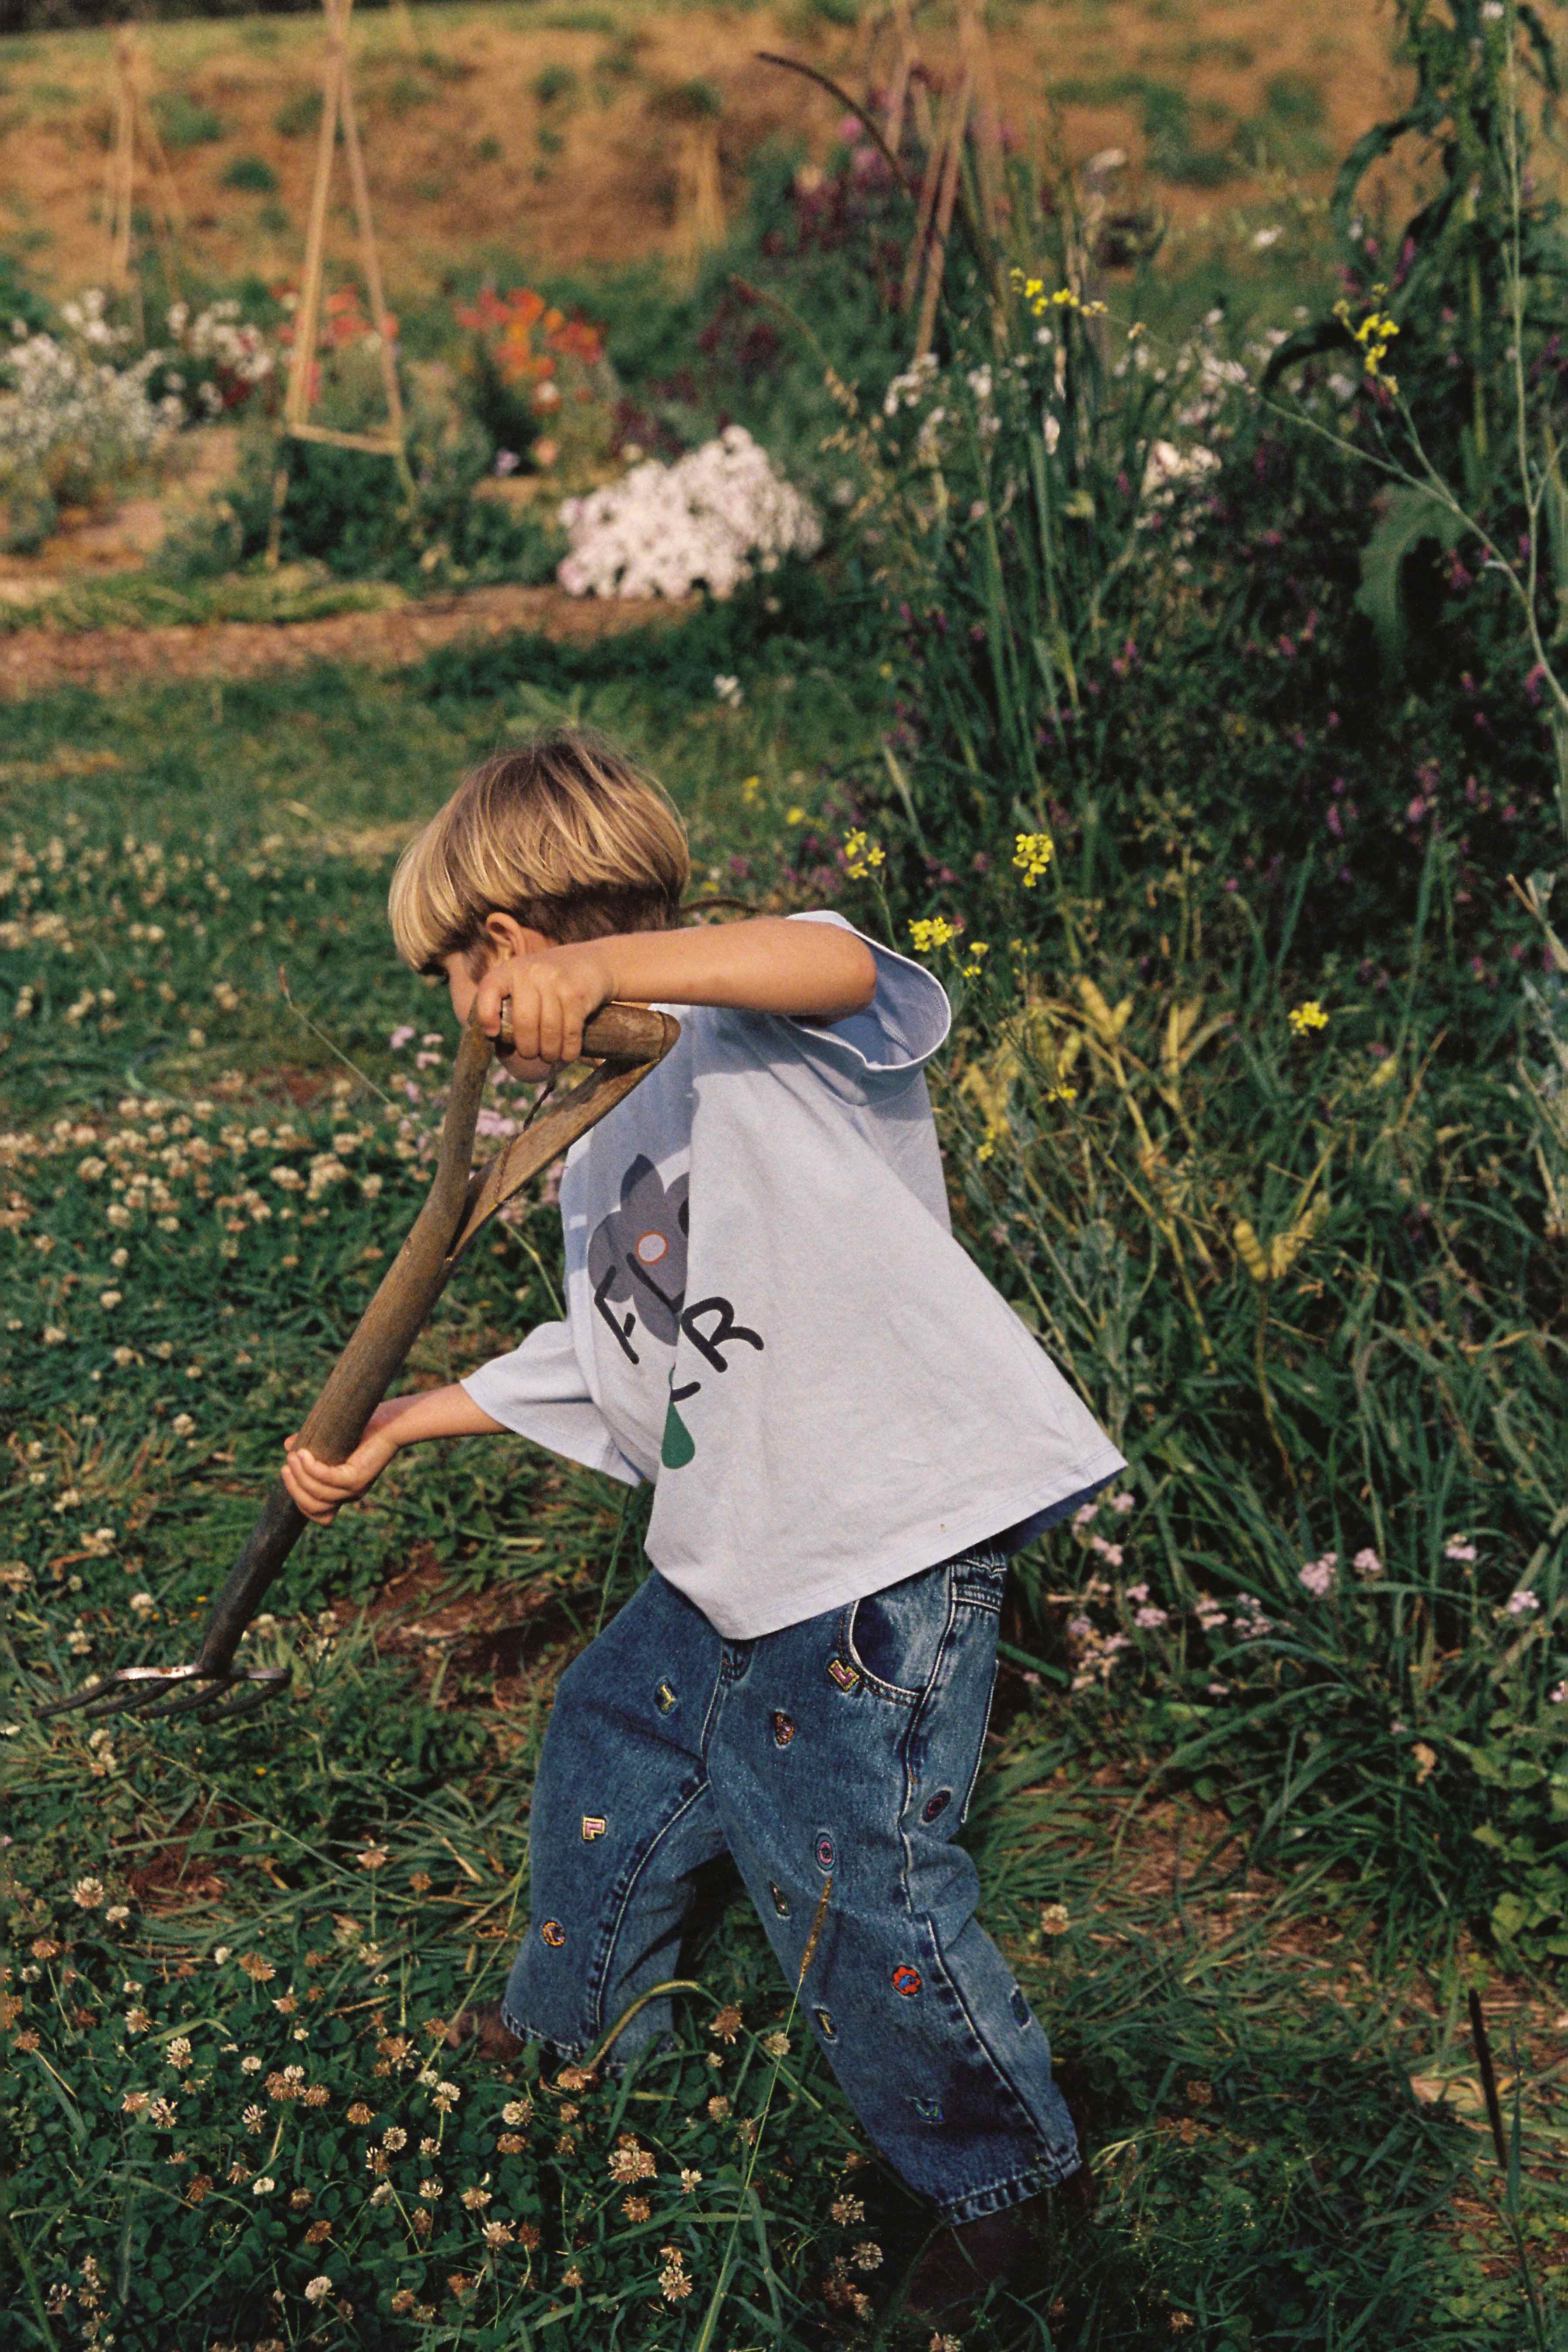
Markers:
(841, 1753)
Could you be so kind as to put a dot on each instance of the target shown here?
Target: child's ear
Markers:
(505, 936)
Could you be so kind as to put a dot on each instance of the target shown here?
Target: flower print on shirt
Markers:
(637, 1271)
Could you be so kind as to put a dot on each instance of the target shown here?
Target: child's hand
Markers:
(322, 1488)
(553, 995)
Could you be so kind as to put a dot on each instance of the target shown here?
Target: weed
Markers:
(183, 121)
(252, 172)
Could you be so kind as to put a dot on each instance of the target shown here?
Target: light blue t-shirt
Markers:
(768, 1316)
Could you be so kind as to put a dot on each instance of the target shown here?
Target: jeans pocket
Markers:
(895, 1636)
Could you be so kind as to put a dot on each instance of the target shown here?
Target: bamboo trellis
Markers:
(135, 133)
(338, 110)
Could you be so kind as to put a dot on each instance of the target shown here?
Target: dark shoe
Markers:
(483, 2027)
(950, 2278)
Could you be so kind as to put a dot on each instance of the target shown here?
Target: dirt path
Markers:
(109, 660)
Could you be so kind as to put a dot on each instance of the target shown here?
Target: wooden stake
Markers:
(134, 127)
(936, 257)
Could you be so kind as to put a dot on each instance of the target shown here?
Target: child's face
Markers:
(462, 987)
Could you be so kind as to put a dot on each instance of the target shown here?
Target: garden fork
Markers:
(627, 1041)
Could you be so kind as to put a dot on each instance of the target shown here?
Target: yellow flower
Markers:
(932, 934)
(750, 786)
(985, 1149)
(977, 950)
(1032, 857)
(1308, 1016)
(795, 816)
(862, 856)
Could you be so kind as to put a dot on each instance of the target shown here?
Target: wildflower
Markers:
(394, 2138)
(1319, 1575)
(372, 1858)
(178, 2053)
(1559, 1697)
(262, 2184)
(1307, 1017)
(318, 2233)
(868, 2255)
(402, 2300)
(727, 2023)
(1151, 1616)
(430, 2190)
(251, 2063)
(137, 2021)
(360, 2114)
(253, 2117)
(847, 2210)
(1459, 1549)
(573, 2078)
(257, 1969)
(674, 2283)
(475, 2200)
(929, 936)
(1054, 1919)
(317, 2289)
(382, 2194)
(572, 2277)
(688, 2179)
(498, 2233)
(861, 856)
(1366, 1562)
(629, 2162)
(776, 2044)
(1032, 855)
(635, 2209)
(718, 2108)
(517, 2111)
(510, 2144)
(1521, 1605)
(88, 1892)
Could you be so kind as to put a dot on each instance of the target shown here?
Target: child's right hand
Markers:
(322, 1488)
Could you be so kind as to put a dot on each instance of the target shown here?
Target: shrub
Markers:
(252, 172)
(183, 122)
(553, 85)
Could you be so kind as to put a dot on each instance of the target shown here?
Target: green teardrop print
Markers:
(678, 1443)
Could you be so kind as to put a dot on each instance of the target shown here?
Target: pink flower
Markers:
(401, 1036)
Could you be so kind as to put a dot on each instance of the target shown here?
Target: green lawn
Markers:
(193, 1912)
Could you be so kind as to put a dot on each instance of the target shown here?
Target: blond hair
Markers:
(565, 834)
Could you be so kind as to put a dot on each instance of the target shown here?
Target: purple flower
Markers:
(1366, 1562)
(1457, 1550)
(1319, 1575)
(1150, 1616)
(1521, 1605)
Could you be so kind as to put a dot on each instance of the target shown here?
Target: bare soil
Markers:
(557, 139)
(32, 661)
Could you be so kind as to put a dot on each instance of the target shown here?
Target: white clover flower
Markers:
(88, 1892)
(317, 2289)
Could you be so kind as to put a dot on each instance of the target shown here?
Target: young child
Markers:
(848, 1431)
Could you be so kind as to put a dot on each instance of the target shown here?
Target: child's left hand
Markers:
(553, 993)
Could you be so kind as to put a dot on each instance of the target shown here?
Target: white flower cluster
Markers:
(712, 517)
(56, 395)
(219, 338)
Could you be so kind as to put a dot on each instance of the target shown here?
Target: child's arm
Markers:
(809, 972)
(322, 1488)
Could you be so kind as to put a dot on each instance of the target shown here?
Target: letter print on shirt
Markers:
(636, 1270)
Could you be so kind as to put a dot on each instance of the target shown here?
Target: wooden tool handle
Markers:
(628, 1040)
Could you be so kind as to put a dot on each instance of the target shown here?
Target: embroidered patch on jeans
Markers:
(594, 1825)
(554, 1934)
(935, 1805)
(844, 1675)
(906, 1980)
(928, 2110)
(824, 1852)
(783, 1727)
(663, 1699)
(825, 2026)
(780, 1900)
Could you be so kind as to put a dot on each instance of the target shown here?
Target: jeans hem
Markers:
(1049, 2172)
(571, 2054)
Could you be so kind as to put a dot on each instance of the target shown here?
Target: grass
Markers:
(1283, 2094)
